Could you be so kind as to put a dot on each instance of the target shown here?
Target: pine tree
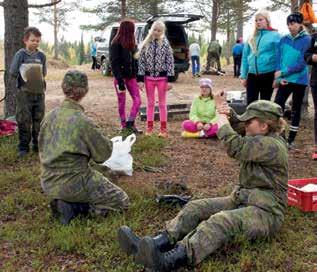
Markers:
(81, 55)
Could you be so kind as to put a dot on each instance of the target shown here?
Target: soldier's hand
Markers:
(224, 109)
(219, 97)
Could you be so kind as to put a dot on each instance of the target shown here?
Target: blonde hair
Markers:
(149, 37)
(264, 13)
(278, 126)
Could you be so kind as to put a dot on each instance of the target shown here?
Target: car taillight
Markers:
(186, 53)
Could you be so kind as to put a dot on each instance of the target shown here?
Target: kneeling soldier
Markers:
(68, 140)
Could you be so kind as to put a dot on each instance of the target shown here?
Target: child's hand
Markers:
(277, 74)
(169, 86)
(283, 82)
(207, 126)
(141, 86)
(199, 125)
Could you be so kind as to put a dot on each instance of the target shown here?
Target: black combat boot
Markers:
(151, 256)
(129, 241)
(67, 211)
(131, 126)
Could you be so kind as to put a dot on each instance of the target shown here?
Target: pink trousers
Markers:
(161, 84)
(191, 126)
(133, 89)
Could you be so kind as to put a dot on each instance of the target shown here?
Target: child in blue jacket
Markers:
(292, 71)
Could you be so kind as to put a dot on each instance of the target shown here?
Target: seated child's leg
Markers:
(189, 126)
(212, 131)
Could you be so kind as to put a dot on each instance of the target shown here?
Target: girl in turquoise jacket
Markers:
(202, 116)
(259, 59)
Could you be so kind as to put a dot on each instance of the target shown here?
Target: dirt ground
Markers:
(202, 164)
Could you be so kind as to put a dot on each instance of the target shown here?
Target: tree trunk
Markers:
(214, 23)
(294, 5)
(228, 38)
(123, 8)
(16, 19)
(55, 31)
(240, 20)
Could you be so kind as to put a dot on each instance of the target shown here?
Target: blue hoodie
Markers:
(264, 61)
(290, 58)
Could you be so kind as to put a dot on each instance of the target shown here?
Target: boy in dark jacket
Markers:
(29, 69)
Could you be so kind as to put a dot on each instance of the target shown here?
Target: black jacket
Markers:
(123, 64)
(309, 59)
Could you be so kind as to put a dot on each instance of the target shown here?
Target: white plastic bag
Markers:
(121, 159)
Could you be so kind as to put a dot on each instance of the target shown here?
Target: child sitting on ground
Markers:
(202, 116)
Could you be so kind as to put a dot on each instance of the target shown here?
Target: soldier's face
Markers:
(254, 127)
(32, 42)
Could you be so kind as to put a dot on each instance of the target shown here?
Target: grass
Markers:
(32, 241)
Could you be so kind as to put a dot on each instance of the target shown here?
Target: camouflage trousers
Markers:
(211, 58)
(205, 225)
(30, 110)
(92, 188)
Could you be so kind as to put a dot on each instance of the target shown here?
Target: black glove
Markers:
(173, 199)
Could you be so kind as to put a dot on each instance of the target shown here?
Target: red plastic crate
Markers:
(305, 201)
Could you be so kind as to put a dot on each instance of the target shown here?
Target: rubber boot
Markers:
(149, 129)
(129, 241)
(151, 256)
(163, 130)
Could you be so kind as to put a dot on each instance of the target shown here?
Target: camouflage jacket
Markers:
(263, 167)
(67, 141)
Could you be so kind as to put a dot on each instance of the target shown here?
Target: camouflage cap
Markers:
(262, 109)
(75, 78)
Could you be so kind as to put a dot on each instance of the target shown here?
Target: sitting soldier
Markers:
(68, 140)
(255, 208)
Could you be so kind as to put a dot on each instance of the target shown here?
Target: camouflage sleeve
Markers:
(248, 148)
(100, 147)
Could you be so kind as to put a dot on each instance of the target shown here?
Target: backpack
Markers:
(214, 47)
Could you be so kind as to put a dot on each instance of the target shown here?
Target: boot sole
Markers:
(125, 242)
(147, 254)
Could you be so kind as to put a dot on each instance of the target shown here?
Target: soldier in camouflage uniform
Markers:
(214, 53)
(68, 140)
(255, 208)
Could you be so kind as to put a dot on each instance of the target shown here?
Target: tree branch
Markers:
(1, 4)
(45, 5)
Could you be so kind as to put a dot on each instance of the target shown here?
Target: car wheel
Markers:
(105, 68)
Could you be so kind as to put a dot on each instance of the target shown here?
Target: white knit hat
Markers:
(205, 82)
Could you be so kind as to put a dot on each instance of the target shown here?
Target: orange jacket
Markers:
(308, 13)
